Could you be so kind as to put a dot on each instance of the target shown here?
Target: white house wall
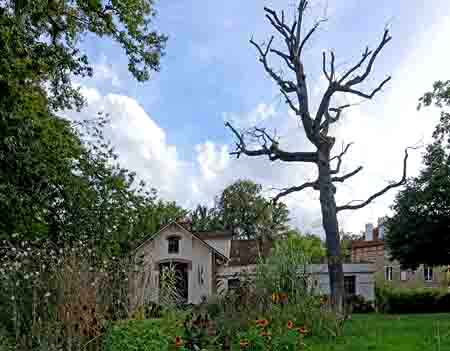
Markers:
(192, 251)
(222, 245)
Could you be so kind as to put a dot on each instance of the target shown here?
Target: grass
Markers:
(428, 332)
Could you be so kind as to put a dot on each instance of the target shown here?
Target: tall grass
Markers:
(63, 297)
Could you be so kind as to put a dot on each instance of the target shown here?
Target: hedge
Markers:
(402, 300)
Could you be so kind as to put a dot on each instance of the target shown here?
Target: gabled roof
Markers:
(153, 236)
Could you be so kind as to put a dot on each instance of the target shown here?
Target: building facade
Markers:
(372, 249)
(206, 262)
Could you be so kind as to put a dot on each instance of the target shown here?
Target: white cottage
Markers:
(205, 260)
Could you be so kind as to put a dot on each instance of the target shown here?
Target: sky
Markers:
(170, 130)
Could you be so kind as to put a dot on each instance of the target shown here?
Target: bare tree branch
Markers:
(359, 79)
(329, 119)
(382, 191)
(324, 66)
(289, 102)
(339, 158)
(287, 58)
(346, 176)
(346, 89)
(365, 55)
(278, 24)
(287, 86)
(294, 189)
(306, 38)
(272, 151)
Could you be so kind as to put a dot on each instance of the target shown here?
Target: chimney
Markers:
(369, 232)
(381, 228)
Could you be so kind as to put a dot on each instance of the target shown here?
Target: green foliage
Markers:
(145, 335)
(204, 218)
(242, 209)
(40, 41)
(374, 331)
(417, 233)
(402, 300)
(257, 338)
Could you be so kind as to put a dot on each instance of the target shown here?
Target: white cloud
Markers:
(139, 141)
(380, 129)
(104, 71)
(261, 113)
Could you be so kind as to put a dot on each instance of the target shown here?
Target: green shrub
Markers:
(401, 300)
(358, 304)
(138, 335)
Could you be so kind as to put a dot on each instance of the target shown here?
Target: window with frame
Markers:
(350, 285)
(173, 244)
(388, 273)
(428, 273)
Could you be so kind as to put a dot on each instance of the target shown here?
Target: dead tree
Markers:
(294, 89)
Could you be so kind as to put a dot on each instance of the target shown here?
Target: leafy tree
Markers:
(54, 183)
(419, 231)
(310, 246)
(206, 218)
(317, 126)
(40, 41)
(248, 214)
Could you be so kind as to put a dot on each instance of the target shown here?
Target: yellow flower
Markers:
(275, 297)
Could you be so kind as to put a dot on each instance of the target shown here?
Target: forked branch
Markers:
(364, 203)
(339, 158)
(294, 189)
(268, 147)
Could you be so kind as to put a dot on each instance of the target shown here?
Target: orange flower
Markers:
(303, 330)
(243, 343)
(262, 323)
(178, 341)
(290, 324)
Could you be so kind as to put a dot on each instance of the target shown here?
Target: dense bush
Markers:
(358, 304)
(396, 300)
(138, 335)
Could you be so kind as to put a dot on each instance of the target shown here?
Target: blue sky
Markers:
(171, 131)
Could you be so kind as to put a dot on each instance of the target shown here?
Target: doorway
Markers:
(180, 270)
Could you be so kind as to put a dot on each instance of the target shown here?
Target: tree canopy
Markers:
(60, 180)
(242, 209)
(419, 230)
(40, 41)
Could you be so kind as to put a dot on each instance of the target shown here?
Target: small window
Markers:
(234, 283)
(428, 273)
(350, 285)
(174, 245)
(403, 275)
(388, 273)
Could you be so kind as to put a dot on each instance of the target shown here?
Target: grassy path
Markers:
(428, 332)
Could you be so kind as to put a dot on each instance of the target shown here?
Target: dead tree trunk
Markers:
(293, 87)
(331, 227)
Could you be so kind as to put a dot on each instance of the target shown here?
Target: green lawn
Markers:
(430, 332)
